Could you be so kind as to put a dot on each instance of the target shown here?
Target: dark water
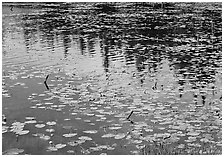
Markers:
(163, 62)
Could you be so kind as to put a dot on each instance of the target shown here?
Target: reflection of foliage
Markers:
(143, 24)
(105, 7)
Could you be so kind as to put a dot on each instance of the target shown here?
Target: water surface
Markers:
(163, 62)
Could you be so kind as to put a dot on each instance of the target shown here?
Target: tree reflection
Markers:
(82, 44)
(140, 34)
(30, 32)
(104, 47)
(66, 43)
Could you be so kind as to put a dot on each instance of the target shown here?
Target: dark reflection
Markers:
(104, 48)
(49, 24)
(91, 44)
(105, 7)
(30, 32)
(82, 45)
(66, 43)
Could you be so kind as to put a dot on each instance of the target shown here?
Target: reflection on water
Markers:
(60, 27)
(154, 44)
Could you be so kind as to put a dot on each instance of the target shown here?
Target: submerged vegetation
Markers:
(112, 78)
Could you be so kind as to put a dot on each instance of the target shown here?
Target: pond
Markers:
(111, 78)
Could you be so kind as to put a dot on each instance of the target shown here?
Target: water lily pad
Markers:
(85, 138)
(23, 132)
(108, 135)
(70, 135)
(45, 137)
(4, 129)
(70, 151)
(52, 149)
(87, 120)
(51, 123)
(193, 133)
(30, 118)
(19, 124)
(95, 148)
(40, 125)
(90, 114)
(13, 151)
(75, 143)
(31, 122)
(115, 128)
(90, 131)
(120, 136)
(17, 127)
(50, 130)
(137, 141)
(60, 145)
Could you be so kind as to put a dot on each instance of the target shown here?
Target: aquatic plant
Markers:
(161, 148)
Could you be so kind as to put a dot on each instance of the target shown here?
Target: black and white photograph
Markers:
(111, 78)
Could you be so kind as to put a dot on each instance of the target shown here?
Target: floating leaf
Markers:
(19, 124)
(51, 123)
(22, 132)
(87, 120)
(45, 137)
(120, 136)
(17, 127)
(4, 129)
(90, 131)
(85, 138)
(95, 148)
(193, 133)
(30, 118)
(137, 141)
(90, 114)
(75, 143)
(70, 151)
(40, 125)
(108, 135)
(31, 122)
(59, 146)
(115, 128)
(70, 135)
(50, 130)
(52, 149)
(13, 151)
